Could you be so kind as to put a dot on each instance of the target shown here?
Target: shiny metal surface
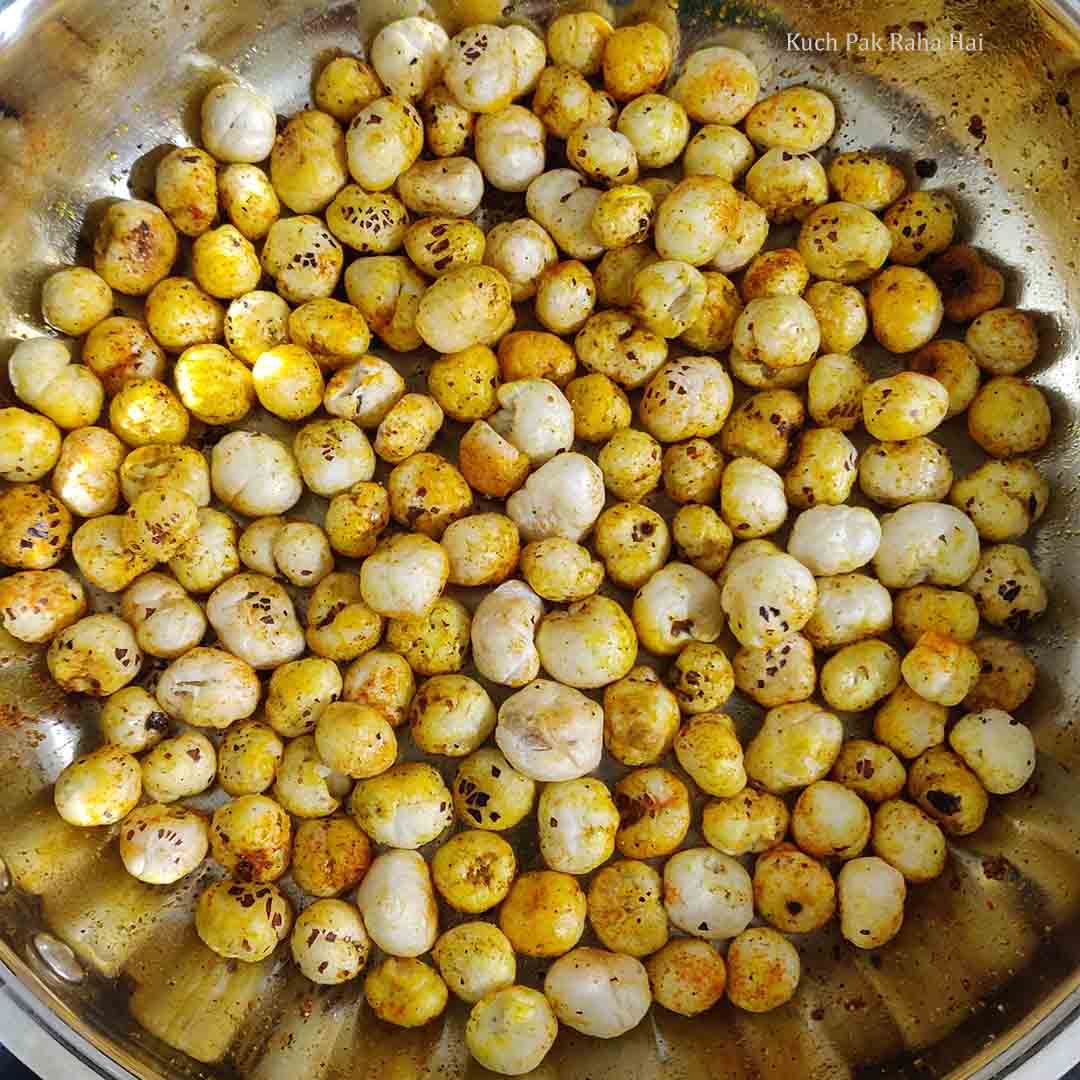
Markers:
(987, 966)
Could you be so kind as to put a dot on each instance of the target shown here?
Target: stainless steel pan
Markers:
(987, 968)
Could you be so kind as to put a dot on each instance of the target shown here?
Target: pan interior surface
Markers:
(89, 90)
